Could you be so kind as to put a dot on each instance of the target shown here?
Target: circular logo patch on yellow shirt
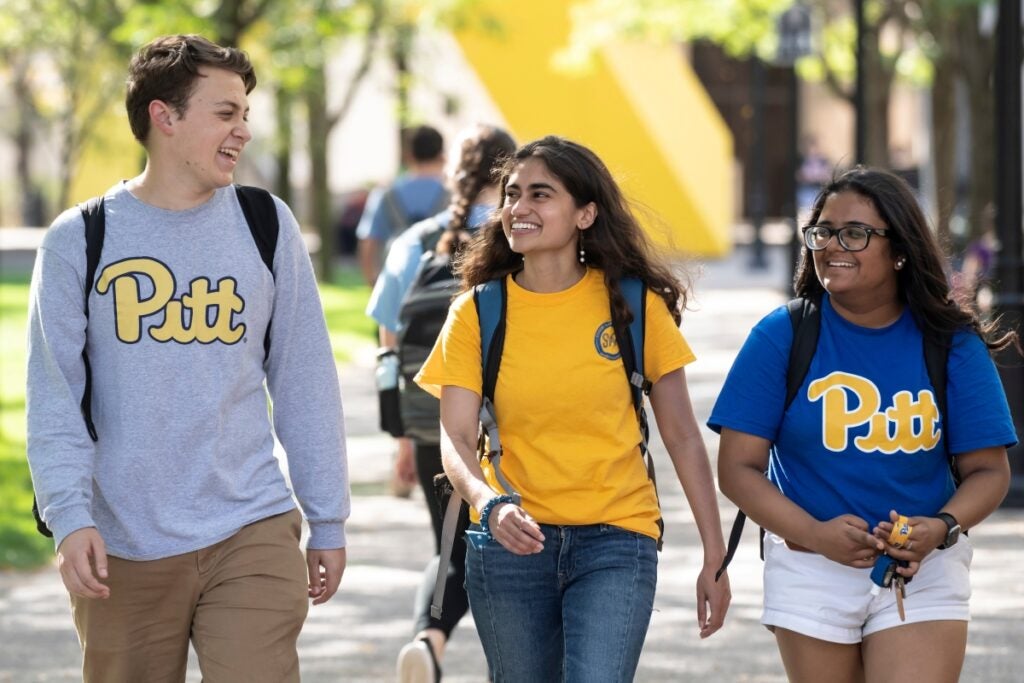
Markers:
(606, 343)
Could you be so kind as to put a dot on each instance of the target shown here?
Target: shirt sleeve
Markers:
(753, 398)
(369, 211)
(455, 359)
(60, 452)
(382, 224)
(978, 413)
(665, 348)
(395, 278)
(303, 384)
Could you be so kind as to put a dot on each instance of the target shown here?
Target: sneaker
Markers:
(417, 663)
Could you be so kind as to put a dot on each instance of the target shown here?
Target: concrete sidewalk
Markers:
(357, 635)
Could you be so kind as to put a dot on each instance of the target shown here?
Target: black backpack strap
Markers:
(936, 360)
(805, 318)
(261, 216)
(94, 216)
(95, 222)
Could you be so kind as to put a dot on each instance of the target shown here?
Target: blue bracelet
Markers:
(485, 514)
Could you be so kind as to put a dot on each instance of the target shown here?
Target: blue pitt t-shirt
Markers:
(863, 435)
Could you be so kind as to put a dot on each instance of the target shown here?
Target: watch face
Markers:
(953, 535)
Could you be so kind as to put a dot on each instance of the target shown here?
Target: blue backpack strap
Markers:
(490, 299)
(631, 347)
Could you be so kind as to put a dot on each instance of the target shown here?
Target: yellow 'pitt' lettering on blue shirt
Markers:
(130, 308)
(907, 425)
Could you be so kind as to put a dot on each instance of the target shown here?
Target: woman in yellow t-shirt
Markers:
(564, 586)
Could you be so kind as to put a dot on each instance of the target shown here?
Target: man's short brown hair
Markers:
(167, 68)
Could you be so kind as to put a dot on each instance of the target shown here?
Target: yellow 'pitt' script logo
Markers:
(907, 425)
(130, 308)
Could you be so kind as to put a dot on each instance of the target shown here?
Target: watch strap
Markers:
(951, 523)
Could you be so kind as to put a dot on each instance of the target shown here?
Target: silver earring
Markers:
(899, 262)
(583, 252)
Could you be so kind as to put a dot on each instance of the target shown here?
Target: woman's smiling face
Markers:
(870, 271)
(539, 214)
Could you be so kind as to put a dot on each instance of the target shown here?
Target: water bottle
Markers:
(387, 392)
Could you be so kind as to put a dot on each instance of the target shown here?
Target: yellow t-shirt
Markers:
(569, 432)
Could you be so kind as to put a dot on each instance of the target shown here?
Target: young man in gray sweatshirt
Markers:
(177, 522)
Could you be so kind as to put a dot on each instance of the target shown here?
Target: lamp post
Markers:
(794, 29)
(1009, 299)
(861, 122)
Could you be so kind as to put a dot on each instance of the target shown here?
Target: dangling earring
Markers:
(899, 262)
(583, 252)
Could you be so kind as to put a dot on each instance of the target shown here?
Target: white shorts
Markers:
(812, 595)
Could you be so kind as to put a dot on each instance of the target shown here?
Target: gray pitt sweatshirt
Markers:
(177, 317)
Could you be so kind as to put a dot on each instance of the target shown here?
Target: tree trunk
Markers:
(877, 86)
(32, 208)
(283, 99)
(976, 59)
(943, 98)
(320, 199)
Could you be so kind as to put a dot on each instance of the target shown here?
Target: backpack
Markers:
(260, 215)
(490, 300)
(421, 316)
(402, 219)
(805, 318)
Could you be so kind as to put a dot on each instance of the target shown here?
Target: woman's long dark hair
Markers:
(922, 282)
(480, 155)
(615, 243)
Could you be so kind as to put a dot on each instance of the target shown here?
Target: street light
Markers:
(1009, 299)
(794, 29)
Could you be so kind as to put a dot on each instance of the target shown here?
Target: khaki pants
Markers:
(242, 603)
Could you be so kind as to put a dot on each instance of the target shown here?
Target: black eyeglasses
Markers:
(851, 237)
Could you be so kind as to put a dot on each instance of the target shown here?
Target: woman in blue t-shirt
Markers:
(863, 442)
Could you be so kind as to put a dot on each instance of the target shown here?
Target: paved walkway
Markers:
(356, 636)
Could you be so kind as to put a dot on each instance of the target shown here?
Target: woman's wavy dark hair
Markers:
(615, 243)
(481, 155)
(922, 284)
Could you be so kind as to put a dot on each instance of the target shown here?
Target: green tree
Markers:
(43, 42)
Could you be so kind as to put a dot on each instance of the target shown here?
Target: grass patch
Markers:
(21, 546)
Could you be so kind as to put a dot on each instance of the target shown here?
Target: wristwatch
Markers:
(952, 529)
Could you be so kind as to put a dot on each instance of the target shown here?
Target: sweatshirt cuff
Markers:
(68, 522)
(326, 536)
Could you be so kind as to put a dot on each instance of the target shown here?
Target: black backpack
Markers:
(261, 216)
(421, 316)
(805, 317)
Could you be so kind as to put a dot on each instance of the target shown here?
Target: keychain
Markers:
(884, 572)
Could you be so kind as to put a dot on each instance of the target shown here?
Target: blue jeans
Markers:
(576, 612)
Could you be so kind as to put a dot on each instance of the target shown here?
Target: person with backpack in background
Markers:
(862, 466)
(562, 564)
(170, 514)
(415, 195)
(410, 302)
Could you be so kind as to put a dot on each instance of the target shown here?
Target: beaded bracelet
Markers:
(485, 513)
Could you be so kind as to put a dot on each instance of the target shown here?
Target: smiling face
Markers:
(209, 135)
(539, 214)
(866, 275)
